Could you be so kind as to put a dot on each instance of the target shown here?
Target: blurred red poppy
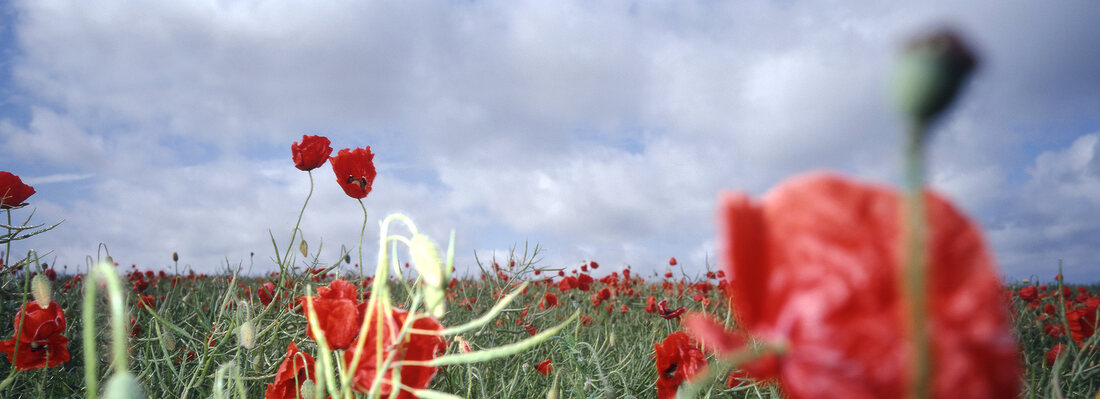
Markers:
(296, 369)
(678, 359)
(545, 367)
(266, 293)
(814, 269)
(548, 301)
(672, 261)
(311, 153)
(417, 345)
(1083, 320)
(651, 304)
(1053, 353)
(354, 171)
(12, 191)
(338, 313)
(665, 312)
(39, 343)
(1029, 293)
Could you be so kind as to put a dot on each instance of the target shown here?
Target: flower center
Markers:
(359, 181)
(670, 371)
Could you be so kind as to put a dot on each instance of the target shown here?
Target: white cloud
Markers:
(602, 130)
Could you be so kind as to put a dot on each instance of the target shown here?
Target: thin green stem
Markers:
(915, 268)
(294, 233)
(118, 328)
(7, 245)
(362, 232)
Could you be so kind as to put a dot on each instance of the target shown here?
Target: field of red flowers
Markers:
(184, 331)
(825, 287)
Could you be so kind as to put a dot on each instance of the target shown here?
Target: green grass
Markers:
(609, 357)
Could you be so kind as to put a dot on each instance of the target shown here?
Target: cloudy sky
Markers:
(601, 130)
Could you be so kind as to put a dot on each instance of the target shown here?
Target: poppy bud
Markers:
(930, 73)
(432, 271)
(169, 341)
(307, 390)
(246, 334)
(40, 289)
(175, 256)
(304, 248)
(123, 385)
(553, 392)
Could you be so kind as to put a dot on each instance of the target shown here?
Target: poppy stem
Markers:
(915, 247)
(362, 231)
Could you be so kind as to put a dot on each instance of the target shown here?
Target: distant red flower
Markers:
(296, 369)
(1083, 320)
(1053, 354)
(338, 313)
(266, 293)
(1029, 293)
(418, 345)
(39, 343)
(672, 261)
(594, 265)
(814, 268)
(12, 191)
(651, 304)
(311, 153)
(548, 301)
(678, 359)
(583, 281)
(665, 312)
(545, 367)
(354, 171)
(146, 301)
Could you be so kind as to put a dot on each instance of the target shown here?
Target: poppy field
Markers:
(827, 286)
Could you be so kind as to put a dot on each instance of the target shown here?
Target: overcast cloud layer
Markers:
(604, 131)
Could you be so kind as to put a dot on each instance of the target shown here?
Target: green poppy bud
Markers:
(40, 289)
(930, 73)
(246, 334)
(433, 273)
(304, 248)
(123, 385)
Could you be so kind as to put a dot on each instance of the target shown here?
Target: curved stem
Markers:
(118, 328)
(294, 233)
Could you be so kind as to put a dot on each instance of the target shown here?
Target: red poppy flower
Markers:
(1029, 293)
(12, 191)
(666, 313)
(296, 368)
(672, 261)
(1053, 354)
(545, 367)
(583, 281)
(39, 343)
(311, 153)
(567, 283)
(678, 359)
(354, 171)
(548, 301)
(1083, 320)
(814, 268)
(651, 304)
(266, 293)
(417, 346)
(338, 313)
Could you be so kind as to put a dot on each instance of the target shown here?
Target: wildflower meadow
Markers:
(825, 287)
